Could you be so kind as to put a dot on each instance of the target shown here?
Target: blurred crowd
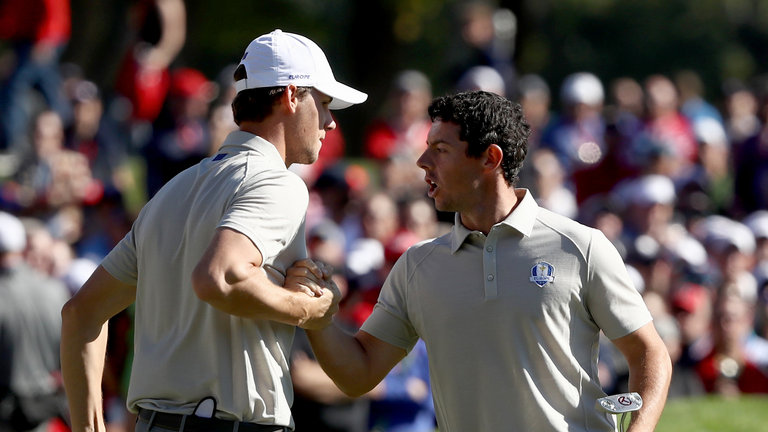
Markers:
(678, 181)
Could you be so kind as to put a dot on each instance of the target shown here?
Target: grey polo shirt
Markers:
(185, 349)
(511, 320)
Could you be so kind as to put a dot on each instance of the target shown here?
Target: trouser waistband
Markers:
(192, 423)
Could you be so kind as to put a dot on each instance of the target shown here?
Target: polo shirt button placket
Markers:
(490, 265)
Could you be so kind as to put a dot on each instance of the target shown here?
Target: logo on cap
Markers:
(542, 273)
(298, 76)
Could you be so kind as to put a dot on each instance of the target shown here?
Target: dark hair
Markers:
(486, 118)
(256, 104)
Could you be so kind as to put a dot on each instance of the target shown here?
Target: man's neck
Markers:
(482, 218)
(272, 132)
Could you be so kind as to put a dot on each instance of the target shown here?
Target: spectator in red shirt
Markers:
(397, 138)
(736, 363)
(667, 144)
(38, 31)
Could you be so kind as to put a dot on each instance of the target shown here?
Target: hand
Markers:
(308, 277)
(315, 280)
(323, 308)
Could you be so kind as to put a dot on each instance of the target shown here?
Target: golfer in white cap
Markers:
(209, 263)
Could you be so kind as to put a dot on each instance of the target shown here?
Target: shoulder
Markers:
(416, 254)
(262, 175)
(429, 245)
(570, 236)
(557, 224)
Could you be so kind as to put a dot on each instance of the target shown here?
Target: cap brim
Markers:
(343, 95)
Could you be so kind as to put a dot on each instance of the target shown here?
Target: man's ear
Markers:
(289, 99)
(493, 157)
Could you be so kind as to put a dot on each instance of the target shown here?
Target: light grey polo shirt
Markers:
(185, 349)
(511, 320)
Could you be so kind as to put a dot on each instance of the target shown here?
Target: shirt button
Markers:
(489, 248)
(490, 277)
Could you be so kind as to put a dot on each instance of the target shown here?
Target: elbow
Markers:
(77, 321)
(73, 326)
(207, 287)
(668, 367)
(69, 313)
(354, 391)
(355, 387)
(664, 362)
(659, 367)
(75, 314)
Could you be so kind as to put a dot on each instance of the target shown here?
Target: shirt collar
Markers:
(521, 219)
(240, 140)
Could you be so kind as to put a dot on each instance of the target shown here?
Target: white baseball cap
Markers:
(13, 237)
(482, 78)
(278, 59)
(651, 189)
(758, 223)
(720, 232)
(711, 132)
(582, 88)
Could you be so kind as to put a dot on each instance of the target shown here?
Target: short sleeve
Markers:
(121, 262)
(269, 210)
(389, 320)
(613, 301)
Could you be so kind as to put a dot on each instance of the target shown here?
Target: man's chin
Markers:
(440, 206)
(310, 159)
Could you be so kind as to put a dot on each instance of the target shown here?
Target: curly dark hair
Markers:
(486, 118)
(256, 104)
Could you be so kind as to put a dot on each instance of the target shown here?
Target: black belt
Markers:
(201, 424)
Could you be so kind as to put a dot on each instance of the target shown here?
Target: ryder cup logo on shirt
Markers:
(542, 273)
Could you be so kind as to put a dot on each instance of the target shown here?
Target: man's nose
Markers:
(421, 162)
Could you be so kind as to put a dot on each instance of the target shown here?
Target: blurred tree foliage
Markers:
(719, 39)
(368, 41)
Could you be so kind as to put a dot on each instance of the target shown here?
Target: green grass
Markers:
(715, 414)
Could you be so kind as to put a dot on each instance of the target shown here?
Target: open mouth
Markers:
(432, 188)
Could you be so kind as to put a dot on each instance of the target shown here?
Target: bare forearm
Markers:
(650, 377)
(349, 362)
(82, 364)
(231, 278)
(84, 344)
(174, 28)
(310, 380)
(269, 303)
(253, 295)
(348, 370)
